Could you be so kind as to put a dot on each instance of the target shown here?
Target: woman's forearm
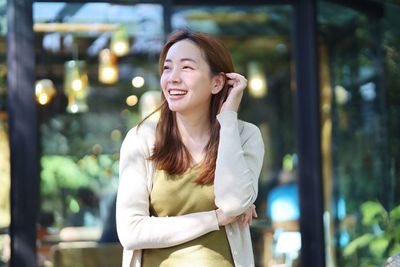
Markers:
(238, 166)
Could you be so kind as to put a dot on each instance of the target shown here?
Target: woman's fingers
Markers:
(237, 85)
(247, 217)
(234, 75)
(244, 220)
(255, 215)
(236, 80)
(223, 219)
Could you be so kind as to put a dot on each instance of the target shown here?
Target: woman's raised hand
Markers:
(238, 83)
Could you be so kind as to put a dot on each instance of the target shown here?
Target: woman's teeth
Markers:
(177, 92)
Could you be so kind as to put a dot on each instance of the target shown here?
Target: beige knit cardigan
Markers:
(238, 166)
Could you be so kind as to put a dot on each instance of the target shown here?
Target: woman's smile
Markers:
(175, 92)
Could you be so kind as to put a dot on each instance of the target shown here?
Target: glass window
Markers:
(359, 64)
(97, 74)
(260, 41)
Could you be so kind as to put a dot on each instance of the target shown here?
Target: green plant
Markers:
(381, 237)
(63, 176)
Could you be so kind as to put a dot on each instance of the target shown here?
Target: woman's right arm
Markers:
(136, 228)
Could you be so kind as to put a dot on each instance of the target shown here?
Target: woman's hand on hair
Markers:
(238, 83)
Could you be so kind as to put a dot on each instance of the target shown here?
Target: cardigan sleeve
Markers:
(136, 228)
(239, 161)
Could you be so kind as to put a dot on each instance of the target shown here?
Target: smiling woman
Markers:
(198, 152)
(196, 64)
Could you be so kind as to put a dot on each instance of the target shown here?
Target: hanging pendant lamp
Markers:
(108, 67)
(76, 86)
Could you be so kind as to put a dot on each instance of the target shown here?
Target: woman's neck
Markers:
(195, 133)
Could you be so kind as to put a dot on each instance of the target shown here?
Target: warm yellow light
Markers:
(108, 74)
(131, 100)
(257, 81)
(76, 86)
(120, 48)
(257, 84)
(257, 87)
(120, 42)
(44, 91)
(108, 67)
(43, 99)
(138, 82)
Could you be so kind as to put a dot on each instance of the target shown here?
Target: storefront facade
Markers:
(325, 96)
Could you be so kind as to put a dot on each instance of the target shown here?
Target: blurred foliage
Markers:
(63, 176)
(380, 238)
(80, 151)
(64, 172)
(61, 171)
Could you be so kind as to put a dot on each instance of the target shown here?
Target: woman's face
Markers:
(186, 80)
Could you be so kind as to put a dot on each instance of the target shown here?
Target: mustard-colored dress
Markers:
(174, 195)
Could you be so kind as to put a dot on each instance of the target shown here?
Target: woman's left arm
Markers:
(239, 161)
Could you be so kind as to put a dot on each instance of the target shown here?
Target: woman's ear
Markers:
(218, 83)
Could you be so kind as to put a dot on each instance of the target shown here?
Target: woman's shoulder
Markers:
(143, 129)
(143, 133)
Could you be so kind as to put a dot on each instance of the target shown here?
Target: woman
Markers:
(188, 182)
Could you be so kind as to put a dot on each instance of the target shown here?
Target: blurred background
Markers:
(95, 72)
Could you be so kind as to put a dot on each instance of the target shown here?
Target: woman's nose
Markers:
(174, 76)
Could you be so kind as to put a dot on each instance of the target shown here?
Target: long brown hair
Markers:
(169, 153)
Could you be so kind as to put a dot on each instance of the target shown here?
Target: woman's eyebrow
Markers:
(188, 59)
(183, 59)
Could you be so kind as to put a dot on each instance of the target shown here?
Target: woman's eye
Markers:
(187, 67)
(166, 68)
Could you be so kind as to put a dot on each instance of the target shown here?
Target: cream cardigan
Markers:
(238, 166)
